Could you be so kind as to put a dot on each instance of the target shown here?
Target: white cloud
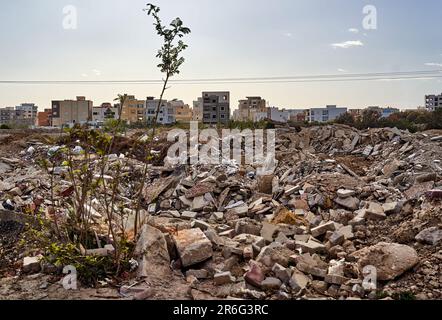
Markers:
(353, 30)
(288, 34)
(433, 64)
(96, 72)
(348, 44)
(342, 70)
(84, 75)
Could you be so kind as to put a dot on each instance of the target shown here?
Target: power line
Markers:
(410, 75)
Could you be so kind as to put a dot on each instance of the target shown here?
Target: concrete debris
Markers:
(390, 259)
(223, 278)
(32, 264)
(338, 201)
(193, 246)
(430, 236)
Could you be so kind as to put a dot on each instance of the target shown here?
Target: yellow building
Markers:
(133, 110)
(183, 113)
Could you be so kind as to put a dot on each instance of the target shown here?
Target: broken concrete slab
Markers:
(223, 278)
(199, 189)
(193, 246)
(322, 229)
(299, 281)
(269, 231)
(350, 203)
(375, 212)
(390, 259)
(152, 252)
(345, 193)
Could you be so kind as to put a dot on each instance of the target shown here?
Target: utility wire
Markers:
(280, 79)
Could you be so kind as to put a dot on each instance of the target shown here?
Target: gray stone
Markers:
(337, 238)
(281, 273)
(199, 274)
(151, 250)
(200, 224)
(269, 231)
(188, 215)
(347, 231)
(322, 229)
(299, 281)
(275, 253)
(219, 216)
(390, 207)
(240, 210)
(271, 283)
(223, 278)
(199, 203)
(335, 279)
(430, 236)
(311, 246)
(344, 193)
(228, 233)
(350, 203)
(193, 246)
(375, 212)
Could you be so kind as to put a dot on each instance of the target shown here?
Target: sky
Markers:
(115, 40)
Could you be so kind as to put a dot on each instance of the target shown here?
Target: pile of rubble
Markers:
(346, 214)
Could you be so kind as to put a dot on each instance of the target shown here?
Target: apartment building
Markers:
(216, 107)
(433, 101)
(277, 115)
(133, 110)
(104, 112)
(166, 114)
(329, 113)
(183, 113)
(69, 112)
(22, 115)
(7, 115)
(197, 112)
(44, 118)
(27, 110)
(248, 108)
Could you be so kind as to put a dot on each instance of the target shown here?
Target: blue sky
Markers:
(231, 38)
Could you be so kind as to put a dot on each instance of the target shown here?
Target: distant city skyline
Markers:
(115, 39)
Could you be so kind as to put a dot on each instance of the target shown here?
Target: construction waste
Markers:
(346, 214)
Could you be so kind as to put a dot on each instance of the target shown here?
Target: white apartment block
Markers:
(433, 101)
(329, 113)
(104, 112)
(278, 115)
(166, 115)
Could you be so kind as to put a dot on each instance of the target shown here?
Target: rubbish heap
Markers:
(346, 214)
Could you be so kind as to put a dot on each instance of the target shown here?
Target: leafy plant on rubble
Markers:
(170, 52)
(170, 63)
